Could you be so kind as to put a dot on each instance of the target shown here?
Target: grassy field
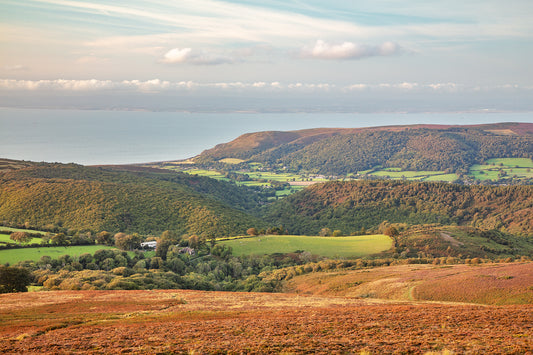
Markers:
(492, 170)
(512, 162)
(2, 228)
(4, 239)
(208, 173)
(13, 256)
(231, 161)
(342, 247)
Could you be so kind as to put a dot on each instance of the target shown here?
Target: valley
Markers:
(483, 154)
(403, 239)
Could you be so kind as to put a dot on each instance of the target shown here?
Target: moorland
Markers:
(410, 239)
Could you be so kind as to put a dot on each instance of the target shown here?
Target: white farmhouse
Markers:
(149, 245)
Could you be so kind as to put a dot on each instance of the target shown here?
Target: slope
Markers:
(505, 283)
(91, 198)
(350, 206)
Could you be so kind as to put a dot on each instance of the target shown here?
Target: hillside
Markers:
(145, 201)
(346, 151)
(350, 206)
(484, 283)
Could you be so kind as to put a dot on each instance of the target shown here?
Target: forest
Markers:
(350, 206)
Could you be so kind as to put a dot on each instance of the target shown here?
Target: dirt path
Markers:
(450, 239)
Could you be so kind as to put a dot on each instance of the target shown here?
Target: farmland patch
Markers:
(339, 247)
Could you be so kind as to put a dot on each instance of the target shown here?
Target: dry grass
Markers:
(496, 284)
(174, 321)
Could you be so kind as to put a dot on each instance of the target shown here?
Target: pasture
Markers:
(13, 256)
(231, 161)
(2, 228)
(494, 169)
(4, 239)
(512, 162)
(332, 247)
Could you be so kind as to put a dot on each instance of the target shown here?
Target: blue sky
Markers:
(365, 55)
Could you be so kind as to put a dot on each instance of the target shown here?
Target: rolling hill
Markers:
(143, 200)
(344, 151)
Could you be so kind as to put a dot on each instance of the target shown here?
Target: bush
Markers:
(14, 279)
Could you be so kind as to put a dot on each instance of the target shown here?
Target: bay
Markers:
(122, 137)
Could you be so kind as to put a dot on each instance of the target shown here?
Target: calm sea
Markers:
(118, 137)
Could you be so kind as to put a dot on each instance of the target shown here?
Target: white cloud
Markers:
(349, 50)
(186, 55)
(58, 84)
(177, 55)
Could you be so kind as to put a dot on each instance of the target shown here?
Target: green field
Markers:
(495, 168)
(2, 228)
(209, 173)
(13, 256)
(231, 161)
(512, 162)
(4, 239)
(343, 247)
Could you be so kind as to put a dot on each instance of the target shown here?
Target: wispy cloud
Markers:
(211, 21)
(349, 50)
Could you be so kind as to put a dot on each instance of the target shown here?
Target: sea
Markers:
(94, 137)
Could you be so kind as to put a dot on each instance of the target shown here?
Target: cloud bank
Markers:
(158, 85)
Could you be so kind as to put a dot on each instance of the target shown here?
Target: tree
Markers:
(165, 241)
(104, 238)
(20, 237)
(59, 239)
(252, 232)
(337, 233)
(325, 232)
(127, 241)
(194, 241)
(14, 279)
(391, 231)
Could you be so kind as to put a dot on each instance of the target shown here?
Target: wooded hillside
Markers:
(345, 151)
(350, 206)
(91, 198)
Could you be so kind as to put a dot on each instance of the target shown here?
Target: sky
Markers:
(268, 56)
